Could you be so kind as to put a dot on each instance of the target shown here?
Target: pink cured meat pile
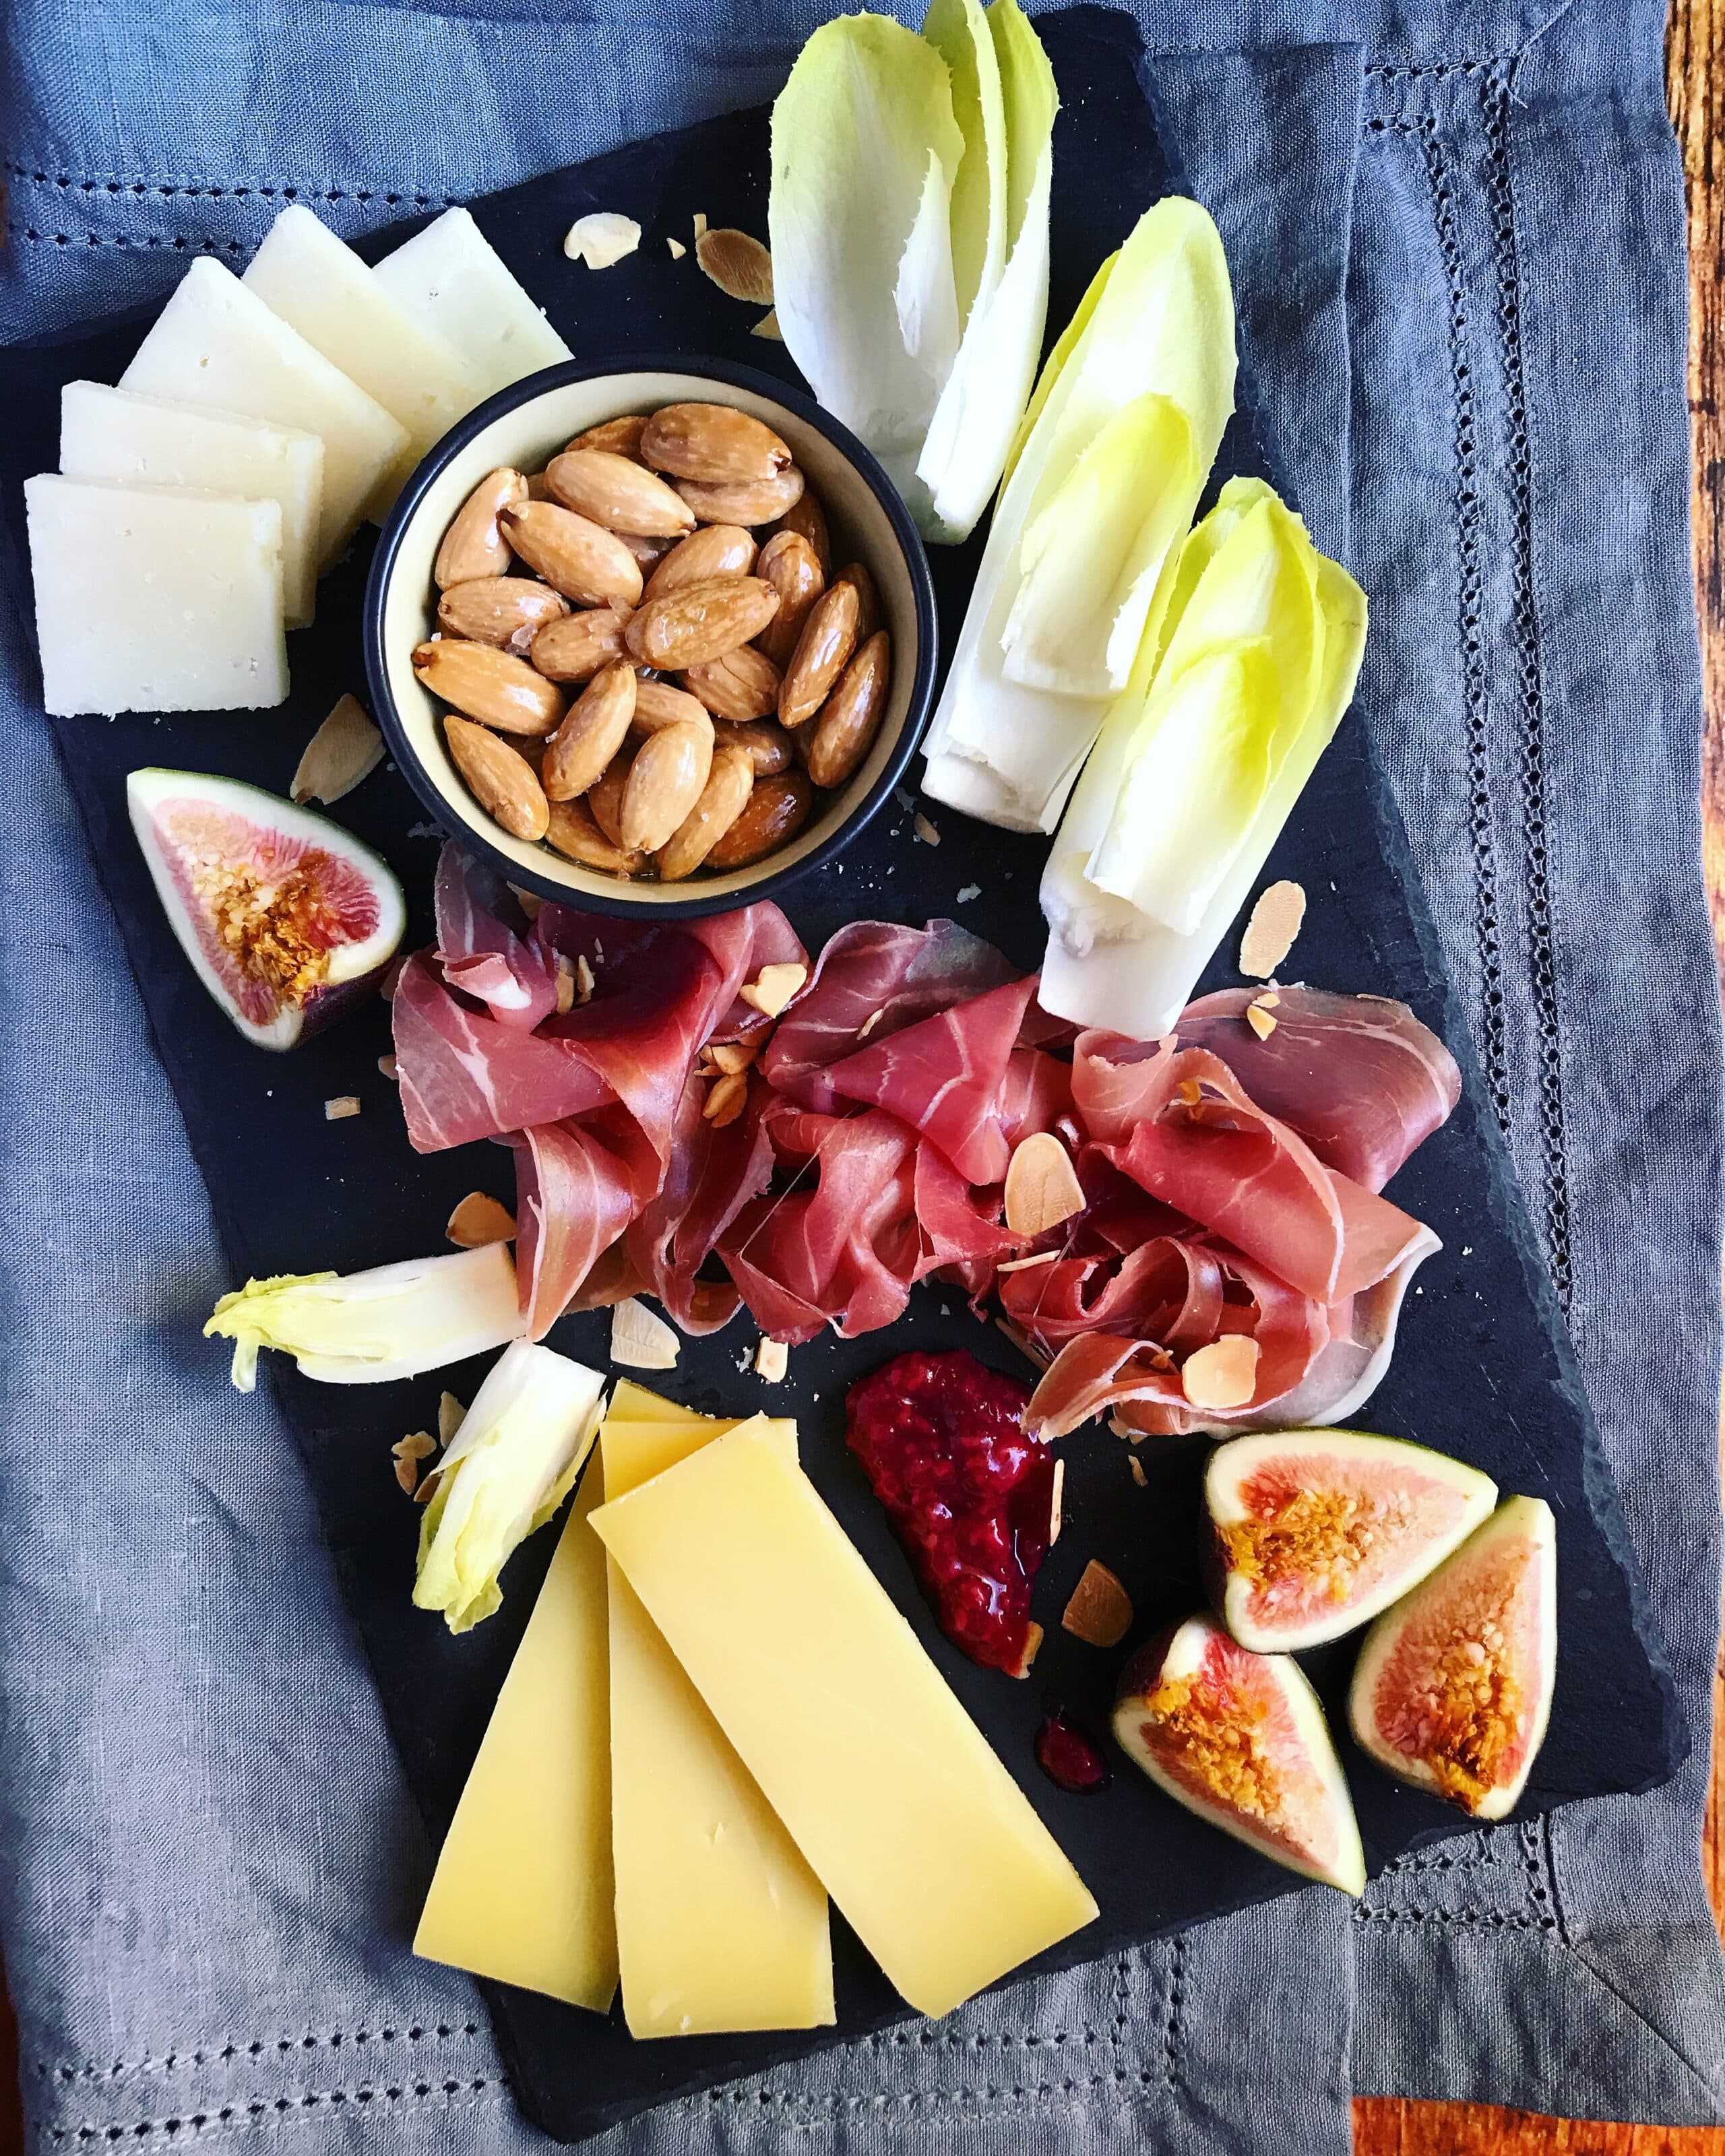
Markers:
(1234, 1184)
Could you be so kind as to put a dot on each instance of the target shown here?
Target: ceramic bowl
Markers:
(526, 426)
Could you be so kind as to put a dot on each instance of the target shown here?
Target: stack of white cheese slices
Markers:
(264, 419)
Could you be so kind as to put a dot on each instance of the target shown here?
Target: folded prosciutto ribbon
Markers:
(1232, 1183)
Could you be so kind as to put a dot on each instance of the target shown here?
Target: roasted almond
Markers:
(713, 444)
(479, 1219)
(575, 648)
(648, 554)
(1042, 1187)
(716, 550)
(475, 545)
(847, 723)
(806, 518)
(605, 797)
(620, 437)
(741, 686)
(777, 810)
(738, 264)
(538, 487)
(619, 493)
(659, 703)
(501, 778)
(574, 830)
(768, 745)
(791, 566)
(822, 651)
(700, 621)
(868, 616)
(496, 609)
(592, 734)
(723, 798)
(577, 557)
(751, 502)
(491, 685)
(665, 783)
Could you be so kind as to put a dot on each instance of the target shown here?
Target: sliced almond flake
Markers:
(530, 901)
(969, 891)
(479, 1219)
(387, 1064)
(771, 1360)
(1261, 1021)
(1268, 1000)
(925, 830)
(450, 1415)
(726, 1098)
(407, 1474)
(583, 981)
(767, 327)
(1119, 1428)
(677, 249)
(1042, 1187)
(1033, 1644)
(737, 264)
(417, 1444)
(566, 986)
(773, 987)
(1222, 1375)
(640, 1340)
(730, 1056)
(700, 223)
(1137, 1466)
(1099, 1610)
(428, 1489)
(346, 748)
(342, 1107)
(1022, 1341)
(868, 1023)
(602, 237)
(1270, 933)
(1024, 1264)
(1055, 1522)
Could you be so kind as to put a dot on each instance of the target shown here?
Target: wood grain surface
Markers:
(1695, 84)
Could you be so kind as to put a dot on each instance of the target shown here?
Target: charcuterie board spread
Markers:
(861, 1185)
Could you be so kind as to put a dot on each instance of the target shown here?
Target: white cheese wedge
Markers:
(156, 598)
(451, 278)
(117, 435)
(317, 282)
(218, 345)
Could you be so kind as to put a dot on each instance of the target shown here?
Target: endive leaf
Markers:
(958, 30)
(369, 1327)
(1165, 835)
(1159, 324)
(1092, 557)
(511, 1464)
(865, 150)
(973, 424)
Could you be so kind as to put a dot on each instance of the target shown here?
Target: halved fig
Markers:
(1240, 1739)
(1316, 1531)
(285, 918)
(1453, 1687)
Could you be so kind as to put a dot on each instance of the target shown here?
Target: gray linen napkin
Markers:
(1461, 279)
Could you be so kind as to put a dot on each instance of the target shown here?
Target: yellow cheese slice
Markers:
(916, 1831)
(634, 1402)
(720, 1924)
(523, 1888)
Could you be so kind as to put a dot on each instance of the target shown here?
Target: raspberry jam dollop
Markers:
(1071, 1760)
(941, 1439)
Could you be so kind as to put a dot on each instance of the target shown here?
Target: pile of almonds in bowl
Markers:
(648, 663)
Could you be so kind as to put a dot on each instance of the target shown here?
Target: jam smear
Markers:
(941, 1439)
(1071, 1760)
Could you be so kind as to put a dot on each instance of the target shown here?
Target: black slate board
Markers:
(1484, 1368)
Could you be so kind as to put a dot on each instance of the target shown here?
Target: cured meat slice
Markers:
(573, 1198)
(872, 980)
(715, 1171)
(944, 1077)
(1202, 1146)
(484, 944)
(1360, 1079)
(464, 1076)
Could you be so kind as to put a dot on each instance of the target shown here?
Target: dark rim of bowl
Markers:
(772, 884)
